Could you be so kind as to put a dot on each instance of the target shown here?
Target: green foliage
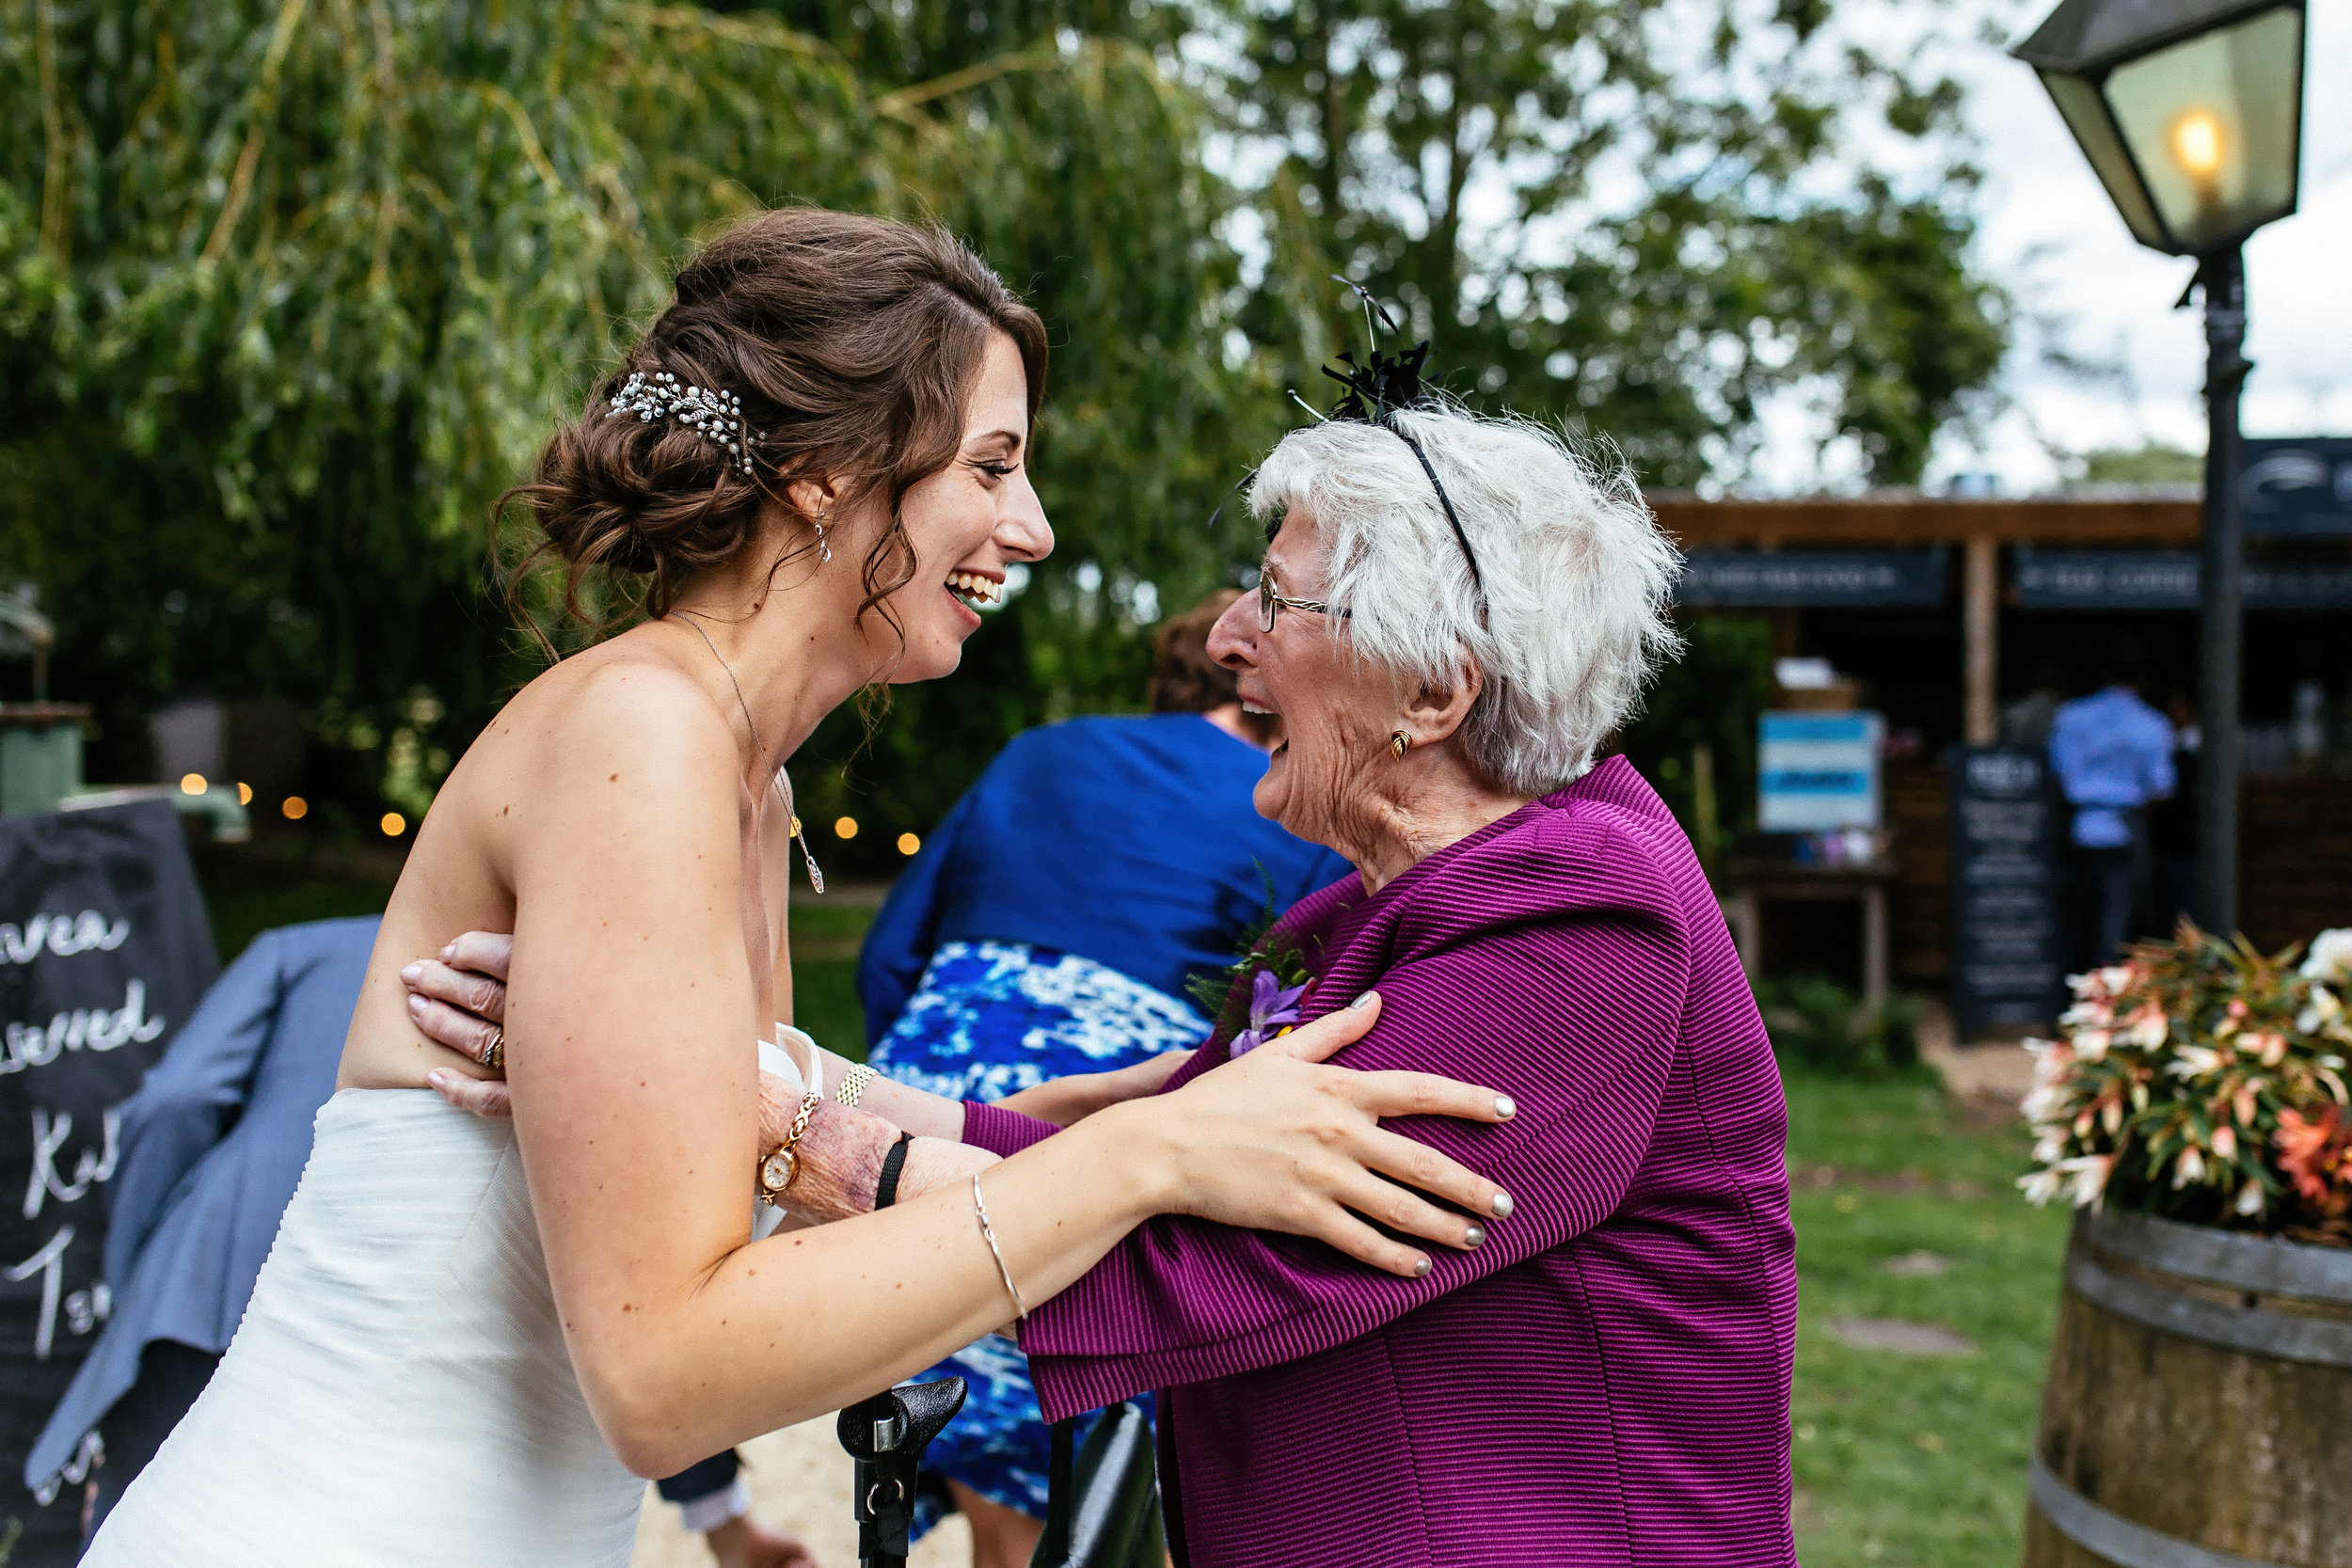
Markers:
(1820, 1025)
(2149, 462)
(1710, 697)
(291, 289)
(296, 288)
(1601, 219)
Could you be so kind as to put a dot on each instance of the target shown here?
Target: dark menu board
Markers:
(2005, 882)
(103, 952)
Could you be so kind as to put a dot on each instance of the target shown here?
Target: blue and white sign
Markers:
(1816, 773)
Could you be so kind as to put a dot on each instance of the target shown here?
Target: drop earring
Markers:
(1400, 743)
(824, 551)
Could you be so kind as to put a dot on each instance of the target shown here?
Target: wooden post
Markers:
(1980, 614)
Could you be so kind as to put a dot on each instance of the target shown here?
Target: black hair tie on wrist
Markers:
(886, 1190)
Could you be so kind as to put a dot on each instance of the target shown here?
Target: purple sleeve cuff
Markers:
(1002, 1132)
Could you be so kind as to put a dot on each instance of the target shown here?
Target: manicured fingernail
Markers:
(1476, 1237)
(1366, 1000)
(1421, 1267)
(438, 1078)
(411, 972)
(1505, 1107)
(1503, 1206)
(416, 1002)
(450, 951)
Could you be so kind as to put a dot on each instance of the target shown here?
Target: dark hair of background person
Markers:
(1184, 679)
(853, 343)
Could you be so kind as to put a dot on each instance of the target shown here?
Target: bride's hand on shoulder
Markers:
(1280, 1140)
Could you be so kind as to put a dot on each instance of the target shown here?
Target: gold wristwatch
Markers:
(777, 1170)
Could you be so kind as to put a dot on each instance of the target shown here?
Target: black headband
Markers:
(1376, 393)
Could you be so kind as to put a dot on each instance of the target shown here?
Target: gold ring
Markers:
(494, 1057)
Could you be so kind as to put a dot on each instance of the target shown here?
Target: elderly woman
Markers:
(1604, 1379)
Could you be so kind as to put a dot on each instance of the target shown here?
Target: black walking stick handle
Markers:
(885, 1437)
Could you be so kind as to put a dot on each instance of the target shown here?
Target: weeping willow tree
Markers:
(293, 290)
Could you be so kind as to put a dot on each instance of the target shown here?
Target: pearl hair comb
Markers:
(717, 417)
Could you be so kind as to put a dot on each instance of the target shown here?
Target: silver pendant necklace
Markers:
(816, 878)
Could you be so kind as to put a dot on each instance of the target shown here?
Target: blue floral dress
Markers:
(988, 1020)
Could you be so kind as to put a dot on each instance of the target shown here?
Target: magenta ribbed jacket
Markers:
(1606, 1381)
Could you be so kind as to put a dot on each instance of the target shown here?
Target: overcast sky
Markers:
(2051, 236)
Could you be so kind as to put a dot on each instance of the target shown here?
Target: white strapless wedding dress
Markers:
(398, 1392)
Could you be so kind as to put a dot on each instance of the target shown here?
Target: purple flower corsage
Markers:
(1273, 1009)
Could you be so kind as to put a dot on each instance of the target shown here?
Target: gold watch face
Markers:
(775, 1172)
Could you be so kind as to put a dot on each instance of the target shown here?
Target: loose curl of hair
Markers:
(853, 343)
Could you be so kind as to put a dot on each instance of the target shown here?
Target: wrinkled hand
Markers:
(1276, 1140)
(745, 1542)
(459, 1000)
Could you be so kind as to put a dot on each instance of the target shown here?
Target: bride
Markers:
(473, 1335)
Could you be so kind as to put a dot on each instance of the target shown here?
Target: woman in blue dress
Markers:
(1050, 926)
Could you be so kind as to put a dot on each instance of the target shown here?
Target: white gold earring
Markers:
(824, 551)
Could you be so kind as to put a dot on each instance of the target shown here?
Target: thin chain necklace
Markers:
(816, 878)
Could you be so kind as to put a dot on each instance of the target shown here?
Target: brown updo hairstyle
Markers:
(853, 343)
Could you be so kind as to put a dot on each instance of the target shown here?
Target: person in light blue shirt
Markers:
(1050, 926)
(2112, 753)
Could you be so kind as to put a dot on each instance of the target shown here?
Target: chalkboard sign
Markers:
(2004, 879)
(103, 952)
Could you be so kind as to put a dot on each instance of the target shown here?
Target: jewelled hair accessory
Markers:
(1377, 392)
(717, 417)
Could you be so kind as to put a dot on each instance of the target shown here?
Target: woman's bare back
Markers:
(458, 877)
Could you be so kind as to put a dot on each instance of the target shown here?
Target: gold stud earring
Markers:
(1400, 743)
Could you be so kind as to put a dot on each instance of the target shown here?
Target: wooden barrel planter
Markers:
(2198, 1409)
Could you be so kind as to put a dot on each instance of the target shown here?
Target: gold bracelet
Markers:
(1019, 1308)
(777, 1171)
(854, 1084)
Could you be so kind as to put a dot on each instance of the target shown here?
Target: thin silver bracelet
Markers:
(987, 1235)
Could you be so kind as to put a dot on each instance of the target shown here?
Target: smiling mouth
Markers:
(976, 590)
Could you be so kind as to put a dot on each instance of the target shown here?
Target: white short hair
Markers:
(1577, 576)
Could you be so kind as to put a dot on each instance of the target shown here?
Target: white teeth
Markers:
(1248, 706)
(976, 587)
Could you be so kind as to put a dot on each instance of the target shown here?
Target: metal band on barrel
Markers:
(2119, 1539)
(2316, 1341)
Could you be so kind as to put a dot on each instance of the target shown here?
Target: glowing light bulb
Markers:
(393, 824)
(2196, 143)
(909, 844)
(295, 808)
(845, 827)
(192, 784)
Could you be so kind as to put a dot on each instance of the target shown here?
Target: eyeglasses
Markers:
(1269, 601)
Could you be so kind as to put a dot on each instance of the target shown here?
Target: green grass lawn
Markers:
(1901, 1461)
(1915, 1461)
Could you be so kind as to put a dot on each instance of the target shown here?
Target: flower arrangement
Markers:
(1259, 997)
(2204, 1082)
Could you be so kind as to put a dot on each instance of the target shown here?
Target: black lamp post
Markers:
(2191, 114)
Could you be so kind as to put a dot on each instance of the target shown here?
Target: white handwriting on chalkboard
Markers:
(84, 1309)
(88, 1169)
(62, 934)
(49, 1262)
(87, 1028)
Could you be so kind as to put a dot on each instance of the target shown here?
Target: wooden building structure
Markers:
(1944, 672)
